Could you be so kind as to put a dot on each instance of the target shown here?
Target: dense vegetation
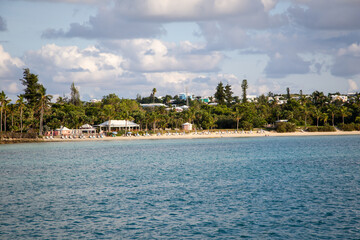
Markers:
(33, 111)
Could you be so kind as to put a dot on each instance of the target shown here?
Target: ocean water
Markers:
(234, 188)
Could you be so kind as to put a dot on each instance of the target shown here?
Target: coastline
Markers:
(186, 136)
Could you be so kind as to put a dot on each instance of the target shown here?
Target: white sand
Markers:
(212, 135)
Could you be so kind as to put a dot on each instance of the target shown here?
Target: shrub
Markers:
(347, 127)
(312, 129)
(247, 125)
(326, 128)
(285, 127)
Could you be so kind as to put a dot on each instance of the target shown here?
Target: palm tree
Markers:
(153, 94)
(3, 101)
(317, 113)
(332, 109)
(109, 112)
(344, 112)
(325, 117)
(44, 101)
(12, 109)
(154, 118)
(238, 115)
(6, 109)
(21, 105)
(306, 112)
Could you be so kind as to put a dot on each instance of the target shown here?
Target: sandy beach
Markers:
(198, 135)
(211, 135)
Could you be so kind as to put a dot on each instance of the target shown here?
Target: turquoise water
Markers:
(259, 188)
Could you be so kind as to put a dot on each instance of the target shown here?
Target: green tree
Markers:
(21, 105)
(32, 87)
(238, 114)
(288, 93)
(228, 94)
(318, 114)
(43, 104)
(344, 112)
(109, 112)
(220, 94)
(153, 94)
(332, 109)
(75, 95)
(3, 101)
(6, 110)
(244, 87)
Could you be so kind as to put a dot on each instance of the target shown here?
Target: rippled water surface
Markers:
(262, 188)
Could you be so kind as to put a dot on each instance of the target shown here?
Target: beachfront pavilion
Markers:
(87, 129)
(118, 125)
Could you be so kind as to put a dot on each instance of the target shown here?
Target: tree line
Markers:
(34, 112)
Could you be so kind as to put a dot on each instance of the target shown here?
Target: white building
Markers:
(117, 125)
(153, 105)
(187, 126)
(342, 98)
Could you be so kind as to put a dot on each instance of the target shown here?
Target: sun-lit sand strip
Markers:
(199, 135)
(210, 135)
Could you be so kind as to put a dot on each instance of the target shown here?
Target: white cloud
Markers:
(140, 65)
(152, 55)
(8, 64)
(10, 72)
(352, 50)
(73, 64)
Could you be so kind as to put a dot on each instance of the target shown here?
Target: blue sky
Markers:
(128, 47)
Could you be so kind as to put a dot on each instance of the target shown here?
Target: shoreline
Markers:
(186, 136)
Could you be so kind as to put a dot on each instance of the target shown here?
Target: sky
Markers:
(129, 47)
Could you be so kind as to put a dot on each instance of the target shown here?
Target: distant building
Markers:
(187, 126)
(117, 125)
(342, 98)
(95, 100)
(251, 98)
(182, 96)
(62, 131)
(153, 105)
(205, 100)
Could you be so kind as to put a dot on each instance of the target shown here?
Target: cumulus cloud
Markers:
(140, 65)
(3, 26)
(10, 72)
(89, 68)
(152, 55)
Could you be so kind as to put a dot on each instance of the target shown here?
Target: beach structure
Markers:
(187, 126)
(149, 105)
(118, 125)
(62, 131)
(87, 129)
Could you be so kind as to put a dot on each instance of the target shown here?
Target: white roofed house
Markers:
(117, 125)
(88, 129)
